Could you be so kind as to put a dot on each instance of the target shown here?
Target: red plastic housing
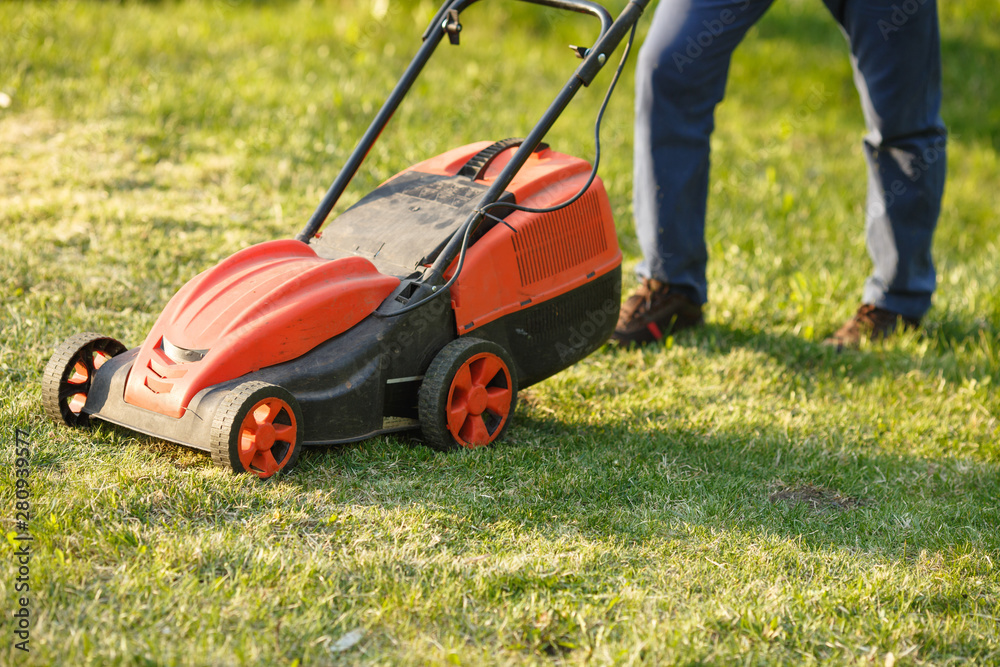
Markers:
(533, 257)
(267, 304)
(275, 301)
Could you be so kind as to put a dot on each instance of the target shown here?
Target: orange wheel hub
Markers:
(479, 400)
(267, 437)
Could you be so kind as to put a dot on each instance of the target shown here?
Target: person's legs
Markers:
(680, 78)
(895, 51)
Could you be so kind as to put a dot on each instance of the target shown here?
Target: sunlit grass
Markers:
(738, 494)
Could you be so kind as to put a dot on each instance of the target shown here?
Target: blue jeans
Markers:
(680, 78)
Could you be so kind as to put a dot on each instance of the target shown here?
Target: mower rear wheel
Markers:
(257, 429)
(468, 395)
(70, 372)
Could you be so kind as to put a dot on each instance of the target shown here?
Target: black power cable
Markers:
(597, 145)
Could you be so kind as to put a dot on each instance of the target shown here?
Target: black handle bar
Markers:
(578, 6)
(611, 34)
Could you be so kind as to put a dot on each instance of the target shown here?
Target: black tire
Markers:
(69, 375)
(282, 436)
(472, 382)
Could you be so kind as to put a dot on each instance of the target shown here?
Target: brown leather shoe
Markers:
(652, 312)
(871, 323)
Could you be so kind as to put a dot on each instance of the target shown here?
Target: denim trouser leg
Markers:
(895, 51)
(681, 77)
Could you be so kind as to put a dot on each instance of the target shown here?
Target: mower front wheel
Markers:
(468, 395)
(70, 373)
(257, 429)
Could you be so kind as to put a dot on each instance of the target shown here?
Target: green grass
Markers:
(739, 495)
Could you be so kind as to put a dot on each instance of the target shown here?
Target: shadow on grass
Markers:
(649, 477)
(641, 478)
(634, 483)
(813, 361)
(665, 493)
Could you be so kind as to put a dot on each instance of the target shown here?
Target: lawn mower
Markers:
(426, 305)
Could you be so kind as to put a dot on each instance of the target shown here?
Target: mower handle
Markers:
(432, 37)
(593, 61)
(578, 6)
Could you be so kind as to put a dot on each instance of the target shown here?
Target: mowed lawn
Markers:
(738, 495)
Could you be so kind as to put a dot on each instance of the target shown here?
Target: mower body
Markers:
(318, 319)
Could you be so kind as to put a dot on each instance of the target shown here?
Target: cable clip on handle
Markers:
(452, 26)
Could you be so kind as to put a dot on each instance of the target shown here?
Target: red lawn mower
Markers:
(426, 305)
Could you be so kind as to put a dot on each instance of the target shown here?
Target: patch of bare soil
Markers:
(818, 498)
